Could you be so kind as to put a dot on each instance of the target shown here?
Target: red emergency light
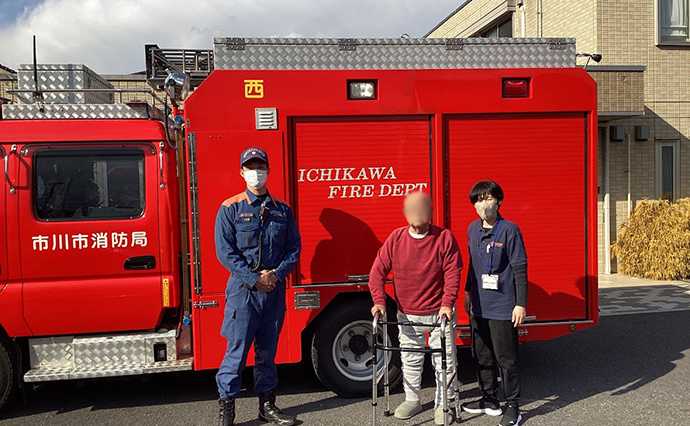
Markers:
(516, 87)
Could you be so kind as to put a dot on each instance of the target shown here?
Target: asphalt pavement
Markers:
(632, 369)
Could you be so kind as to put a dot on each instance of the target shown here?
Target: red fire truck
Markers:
(107, 258)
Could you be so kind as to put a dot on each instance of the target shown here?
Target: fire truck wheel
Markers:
(7, 373)
(341, 351)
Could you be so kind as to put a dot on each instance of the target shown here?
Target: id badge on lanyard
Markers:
(489, 281)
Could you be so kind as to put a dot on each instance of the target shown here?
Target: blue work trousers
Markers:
(250, 317)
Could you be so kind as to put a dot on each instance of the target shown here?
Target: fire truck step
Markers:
(82, 357)
(52, 374)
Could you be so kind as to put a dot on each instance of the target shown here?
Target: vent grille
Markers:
(266, 119)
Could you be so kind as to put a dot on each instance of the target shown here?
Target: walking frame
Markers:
(376, 376)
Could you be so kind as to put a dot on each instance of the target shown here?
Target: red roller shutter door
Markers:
(539, 161)
(352, 175)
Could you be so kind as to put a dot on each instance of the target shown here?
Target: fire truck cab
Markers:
(107, 258)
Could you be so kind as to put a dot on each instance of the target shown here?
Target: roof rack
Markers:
(40, 92)
(197, 63)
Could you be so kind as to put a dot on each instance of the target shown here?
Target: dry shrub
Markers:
(655, 241)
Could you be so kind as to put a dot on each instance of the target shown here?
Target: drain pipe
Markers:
(629, 176)
(521, 6)
(607, 203)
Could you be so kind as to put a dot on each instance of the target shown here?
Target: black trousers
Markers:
(495, 344)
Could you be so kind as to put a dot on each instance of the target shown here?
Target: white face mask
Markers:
(487, 211)
(256, 178)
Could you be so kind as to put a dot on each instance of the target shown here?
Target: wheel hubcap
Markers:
(359, 344)
(352, 351)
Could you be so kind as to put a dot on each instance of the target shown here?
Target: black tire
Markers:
(332, 370)
(8, 373)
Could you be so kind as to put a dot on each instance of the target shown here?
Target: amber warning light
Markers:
(515, 87)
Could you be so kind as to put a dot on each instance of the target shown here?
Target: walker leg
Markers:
(456, 378)
(386, 382)
(374, 375)
(444, 378)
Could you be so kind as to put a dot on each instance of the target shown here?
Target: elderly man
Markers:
(426, 263)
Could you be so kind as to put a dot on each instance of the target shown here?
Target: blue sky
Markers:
(109, 35)
(11, 9)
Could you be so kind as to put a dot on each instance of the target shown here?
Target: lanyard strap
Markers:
(493, 245)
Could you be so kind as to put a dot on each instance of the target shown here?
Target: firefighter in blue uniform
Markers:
(257, 240)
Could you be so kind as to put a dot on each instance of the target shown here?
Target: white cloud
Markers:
(109, 36)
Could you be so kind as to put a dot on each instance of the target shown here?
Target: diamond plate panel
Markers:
(62, 76)
(69, 357)
(54, 374)
(89, 372)
(51, 352)
(170, 346)
(309, 53)
(166, 366)
(75, 111)
(103, 351)
(47, 374)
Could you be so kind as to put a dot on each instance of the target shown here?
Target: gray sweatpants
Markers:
(413, 363)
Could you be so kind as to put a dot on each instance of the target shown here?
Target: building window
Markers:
(504, 29)
(673, 21)
(668, 170)
(76, 184)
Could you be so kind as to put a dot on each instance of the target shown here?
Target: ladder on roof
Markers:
(197, 63)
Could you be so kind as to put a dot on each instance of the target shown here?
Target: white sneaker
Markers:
(483, 406)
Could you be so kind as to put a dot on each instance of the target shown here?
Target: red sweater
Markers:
(426, 271)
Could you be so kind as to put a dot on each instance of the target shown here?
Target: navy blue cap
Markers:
(251, 153)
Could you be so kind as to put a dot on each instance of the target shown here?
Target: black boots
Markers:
(226, 412)
(268, 411)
